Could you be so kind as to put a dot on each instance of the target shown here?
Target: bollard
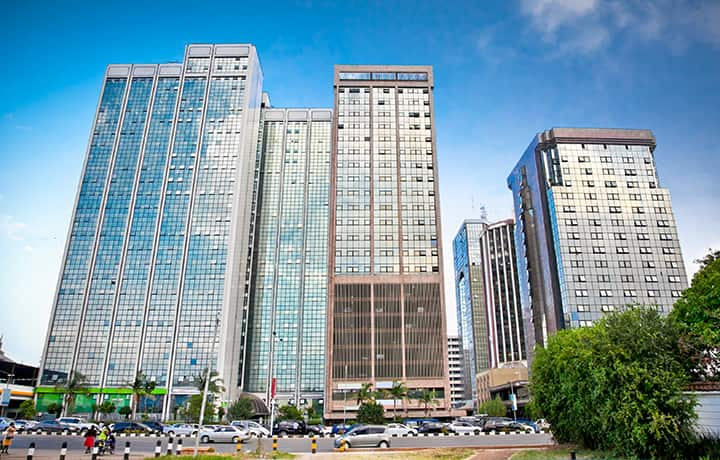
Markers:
(573, 456)
(158, 448)
(275, 443)
(31, 451)
(170, 447)
(94, 455)
(313, 445)
(63, 450)
(342, 445)
(178, 447)
(238, 446)
(126, 454)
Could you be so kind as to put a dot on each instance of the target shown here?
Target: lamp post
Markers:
(271, 380)
(205, 391)
(514, 396)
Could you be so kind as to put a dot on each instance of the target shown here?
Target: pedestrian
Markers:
(89, 439)
(8, 437)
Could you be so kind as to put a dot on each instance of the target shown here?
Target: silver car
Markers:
(253, 428)
(224, 434)
(366, 436)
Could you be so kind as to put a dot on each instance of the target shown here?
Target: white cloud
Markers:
(587, 26)
(13, 229)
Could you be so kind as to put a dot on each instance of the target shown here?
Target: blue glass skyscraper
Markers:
(158, 245)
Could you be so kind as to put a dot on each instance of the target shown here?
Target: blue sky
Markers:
(503, 71)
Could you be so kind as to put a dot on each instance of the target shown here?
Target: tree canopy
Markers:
(616, 386)
(241, 409)
(371, 412)
(697, 316)
(493, 407)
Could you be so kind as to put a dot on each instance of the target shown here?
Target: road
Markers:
(49, 445)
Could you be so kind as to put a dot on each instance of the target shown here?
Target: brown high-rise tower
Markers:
(386, 310)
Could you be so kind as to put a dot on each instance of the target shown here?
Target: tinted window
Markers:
(377, 430)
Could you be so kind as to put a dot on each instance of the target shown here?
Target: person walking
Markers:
(89, 440)
(8, 437)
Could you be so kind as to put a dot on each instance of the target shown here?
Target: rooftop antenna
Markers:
(483, 213)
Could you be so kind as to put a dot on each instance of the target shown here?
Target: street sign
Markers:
(513, 400)
(5, 398)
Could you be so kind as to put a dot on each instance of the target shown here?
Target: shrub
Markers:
(616, 386)
(371, 412)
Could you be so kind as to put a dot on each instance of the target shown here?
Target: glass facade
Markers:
(595, 230)
(488, 298)
(152, 259)
(386, 317)
(289, 289)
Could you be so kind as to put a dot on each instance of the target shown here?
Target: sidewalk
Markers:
(47, 454)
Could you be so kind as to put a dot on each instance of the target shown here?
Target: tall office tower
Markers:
(456, 372)
(386, 314)
(286, 334)
(488, 298)
(157, 247)
(595, 232)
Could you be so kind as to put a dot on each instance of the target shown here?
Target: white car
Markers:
(80, 424)
(464, 427)
(398, 429)
(181, 428)
(253, 428)
(226, 433)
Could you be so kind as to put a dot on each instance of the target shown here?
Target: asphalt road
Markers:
(50, 444)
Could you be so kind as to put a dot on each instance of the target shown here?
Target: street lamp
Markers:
(513, 396)
(271, 380)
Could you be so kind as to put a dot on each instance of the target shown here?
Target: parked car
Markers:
(53, 426)
(432, 427)
(131, 427)
(316, 430)
(181, 428)
(512, 427)
(253, 428)
(286, 427)
(542, 424)
(341, 428)
(156, 426)
(366, 436)
(495, 423)
(534, 425)
(223, 433)
(25, 425)
(418, 422)
(5, 422)
(81, 424)
(464, 427)
(398, 429)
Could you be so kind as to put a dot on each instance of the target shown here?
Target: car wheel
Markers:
(234, 439)
(282, 433)
(194, 433)
(171, 433)
(205, 439)
(383, 445)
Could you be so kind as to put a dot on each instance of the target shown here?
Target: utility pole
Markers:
(205, 391)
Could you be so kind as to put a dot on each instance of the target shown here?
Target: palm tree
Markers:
(142, 386)
(365, 393)
(398, 391)
(76, 384)
(427, 397)
(214, 387)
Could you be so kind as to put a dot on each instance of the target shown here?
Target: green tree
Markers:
(616, 386)
(494, 407)
(398, 391)
(289, 412)
(27, 410)
(215, 386)
(126, 411)
(365, 393)
(191, 410)
(141, 386)
(106, 407)
(241, 409)
(371, 412)
(73, 386)
(220, 413)
(55, 408)
(427, 398)
(697, 316)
